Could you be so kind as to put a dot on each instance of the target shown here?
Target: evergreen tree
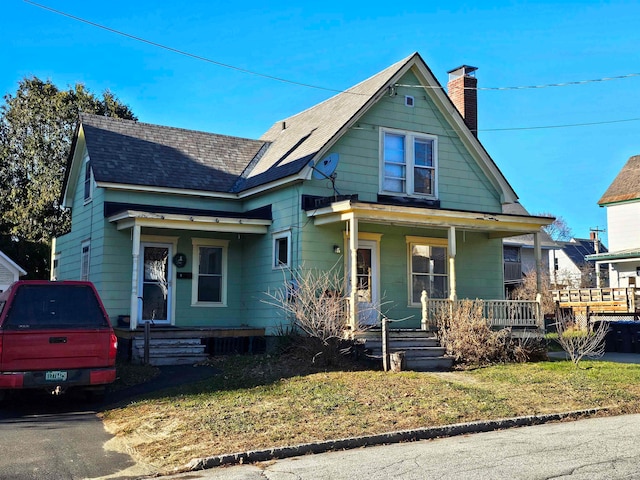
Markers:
(36, 130)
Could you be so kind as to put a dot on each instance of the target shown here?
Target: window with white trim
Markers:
(427, 269)
(85, 259)
(209, 283)
(409, 163)
(281, 250)
(88, 180)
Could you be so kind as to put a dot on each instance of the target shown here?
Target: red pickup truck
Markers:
(55, 336)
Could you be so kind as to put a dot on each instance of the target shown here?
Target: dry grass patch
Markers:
(257, 402)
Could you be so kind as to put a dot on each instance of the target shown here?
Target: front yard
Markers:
(256, 403)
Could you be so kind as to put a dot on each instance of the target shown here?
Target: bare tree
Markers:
(528, 290)
(579, 341)
(559, 230)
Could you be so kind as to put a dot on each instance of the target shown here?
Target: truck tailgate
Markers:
(54, 349)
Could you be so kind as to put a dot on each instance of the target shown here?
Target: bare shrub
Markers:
(580, 341)
(467, 336)
(315, 309)
(527, 348)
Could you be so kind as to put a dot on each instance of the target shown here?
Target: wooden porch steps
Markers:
(422, 351)
(169, 351)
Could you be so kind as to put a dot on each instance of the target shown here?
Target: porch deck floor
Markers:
(165, 331)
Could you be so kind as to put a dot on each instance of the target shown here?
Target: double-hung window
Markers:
(409, 163)
(427, 261)
(210, 272)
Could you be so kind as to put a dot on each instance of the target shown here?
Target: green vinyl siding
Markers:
(259, 276)
(462, 185)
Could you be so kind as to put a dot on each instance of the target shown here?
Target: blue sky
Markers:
(337, 44)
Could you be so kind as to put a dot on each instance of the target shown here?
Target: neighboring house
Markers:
(622, 200)
(519, 253)
(573, 266)
(190, 229)
(10, 272)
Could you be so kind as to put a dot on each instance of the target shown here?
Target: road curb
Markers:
(412, 435)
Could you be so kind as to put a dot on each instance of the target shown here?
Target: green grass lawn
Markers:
(257, 402)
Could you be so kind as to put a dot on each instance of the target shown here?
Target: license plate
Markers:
(56, 376)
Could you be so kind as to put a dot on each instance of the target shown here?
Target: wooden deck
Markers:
(191, 332)
(598, 300)
(166, 345)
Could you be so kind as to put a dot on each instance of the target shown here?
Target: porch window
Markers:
(85, 259)
(512, 264)
(282, 250)
(428, 271)
(409, 163)
(210, 272)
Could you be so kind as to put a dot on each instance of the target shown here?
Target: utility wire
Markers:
(557, 126)
(187, 54)
(293, 82)
(546, 85)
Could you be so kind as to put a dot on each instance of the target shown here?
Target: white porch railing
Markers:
(500, 313)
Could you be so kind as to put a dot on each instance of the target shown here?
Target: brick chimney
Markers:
(462, 88)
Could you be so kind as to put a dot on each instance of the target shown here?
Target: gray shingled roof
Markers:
(626, 186)
(297, 139)
(128, 152)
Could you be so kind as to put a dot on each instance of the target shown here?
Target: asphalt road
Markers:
(592, 449)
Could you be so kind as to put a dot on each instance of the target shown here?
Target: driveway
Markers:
(45, 437)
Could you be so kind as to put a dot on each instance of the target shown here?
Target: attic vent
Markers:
(409, 101)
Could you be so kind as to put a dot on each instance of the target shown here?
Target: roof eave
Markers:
(497, 225)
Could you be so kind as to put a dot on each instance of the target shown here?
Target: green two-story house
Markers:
(387, 179)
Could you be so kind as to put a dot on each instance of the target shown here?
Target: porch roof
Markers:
(498, 225)
(180, 221)
(629, 255)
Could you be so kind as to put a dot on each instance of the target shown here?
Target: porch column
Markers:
(453, 295)
(538, 257)
(353, 252)
(135, 250)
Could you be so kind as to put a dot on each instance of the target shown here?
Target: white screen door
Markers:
(155, 287)
(367, 280)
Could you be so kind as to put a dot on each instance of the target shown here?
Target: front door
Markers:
(367, 279)
(155, 287)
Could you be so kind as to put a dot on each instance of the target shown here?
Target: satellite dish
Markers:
(325, 167)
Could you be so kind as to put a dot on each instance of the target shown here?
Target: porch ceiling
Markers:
(131, 218)
(495, 224)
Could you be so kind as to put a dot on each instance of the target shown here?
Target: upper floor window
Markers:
(88, 184)
(409, 163)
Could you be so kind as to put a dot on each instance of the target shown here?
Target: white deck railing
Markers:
(500, 313)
